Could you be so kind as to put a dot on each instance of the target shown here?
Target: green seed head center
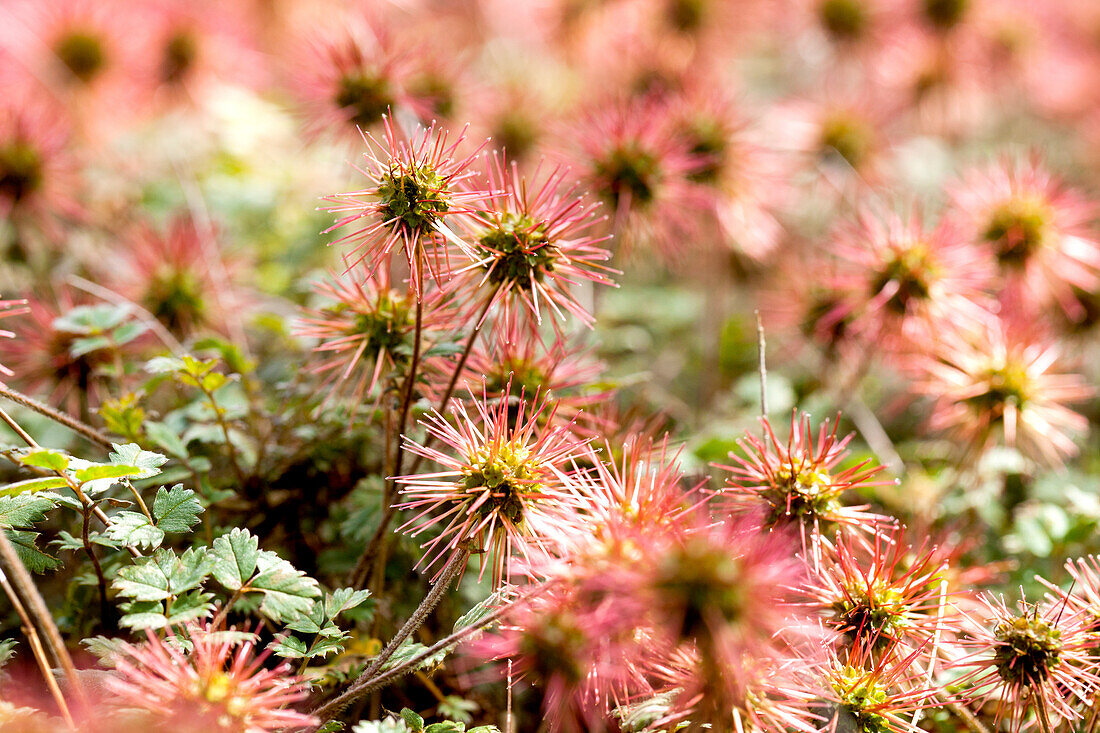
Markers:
(413, 200)
(1017, 229)
(365, 96)
(20, 171)
(508, 473)
(519, 251)
(630, 173)
(83, 54)
(1028, 649)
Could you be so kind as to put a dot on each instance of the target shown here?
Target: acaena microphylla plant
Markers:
(207, 680)
(504, 488)
(886, 600)
(800, 483)
(1002, 383)
(1038, 659)
(903, 278)
(1036, 228)
(876, 695)
(415, 186)
(367, 329)
(533, 243)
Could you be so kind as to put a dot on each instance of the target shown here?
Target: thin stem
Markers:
(762, 365)
(37, 650)
(224, 610)
(23, 434)
(219, 416)
(59, 417)
(12, 567)
(358, 690)
(443, 402)
(1044, 718)
(84, 536)
(965, 717)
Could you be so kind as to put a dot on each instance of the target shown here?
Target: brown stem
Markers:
(37, 650)
(12, 567)
(230, 448)
(358, 690)
(100, 579)
(1044, 718)
(59, 417)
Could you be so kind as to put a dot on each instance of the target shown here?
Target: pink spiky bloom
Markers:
(532, 244)
(366, 332)
(416, 186)
(1038, 230)
(517, 360)
(9, 308)
(886, 599)
(1041, 657)
(883, 694)
(505, 488)
(577, 646)
(180, 275)
(743, 181)
(642, 488)
(903, 279)
(351, 80)
(801, 482)
(720, 595)
(37, 173)
(1001, 383)
(640, 168)
(219, 685)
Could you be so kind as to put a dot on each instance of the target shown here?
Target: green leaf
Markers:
(127, 332)
(131, 454)
(288, 592)
(25, 509)
(99, 471)
(189, 606)
(176, 509)
(410, 650)
(31, 485)
(235, 557)
(49, 459)
(478, 612)
(163, 365)
(7, 650)
(344, 599)
(104, 649)
(165, 438)
(291, 647)
(35, 559)
(213, 381)
(91, 319)
(414, 721)
(163, 575)
(133, 529)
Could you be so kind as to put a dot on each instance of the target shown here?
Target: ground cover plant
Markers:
(564, 365)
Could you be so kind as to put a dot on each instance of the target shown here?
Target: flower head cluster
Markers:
(207, 680)
(533, 242)
(1039, 657)
(505, 486)
(800, 483)
(416, 186)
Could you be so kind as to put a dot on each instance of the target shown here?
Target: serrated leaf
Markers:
(43, 483)
(25, 509)
(163, 575)
(344, 599)
(188, 607)
(131, 454)
(176, 509)
(113, 471)
(412, 719)
(235, 558)
(49, 459)
(35, 559)
(133, 529)
(291, 647)
(288, 592)
(410, 650)
(142, 615)
(165, 438)
(478, 612)
(104, 648)
(7, 650)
